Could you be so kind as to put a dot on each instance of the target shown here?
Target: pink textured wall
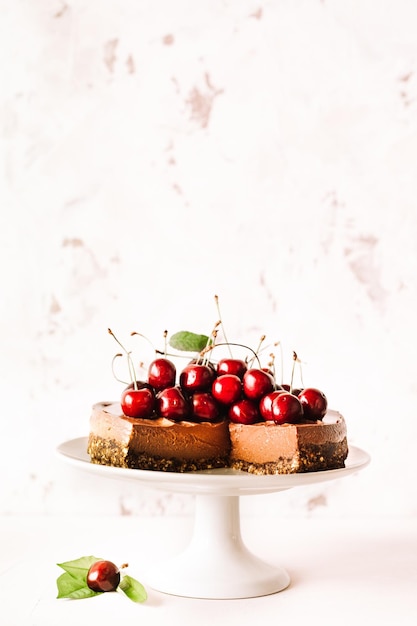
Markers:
(154, 154)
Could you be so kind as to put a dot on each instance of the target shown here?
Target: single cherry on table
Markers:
(103, 576)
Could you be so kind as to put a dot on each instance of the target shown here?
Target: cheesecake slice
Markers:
(156, 444)
(269, 448)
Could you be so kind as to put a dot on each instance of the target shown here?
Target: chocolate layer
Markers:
(155, 443)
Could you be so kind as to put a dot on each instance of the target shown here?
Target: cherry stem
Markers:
(278, 343)
(130, 365)
(113, 371)
(211, 342)
(262, 339)
(301, 373)
(132, 334)
(216, 298)
(217, 345)
(271, 364)
(180, 356)
(165, 342)
(295, 359)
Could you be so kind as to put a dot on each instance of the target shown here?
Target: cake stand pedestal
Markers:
(216, 564)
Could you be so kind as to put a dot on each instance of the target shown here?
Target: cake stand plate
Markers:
(216, 564)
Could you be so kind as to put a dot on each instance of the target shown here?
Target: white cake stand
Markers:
(216, 564)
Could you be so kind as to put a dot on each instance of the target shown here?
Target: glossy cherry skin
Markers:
(138, 402)
(314, 403)
(196, 377)
(161, 374)
(103, 576)
(244, 412)
(172, 404)
(231, 366)
(204, 407)
(265, 404)
(257, 383)
(286, 409)
(227, 388)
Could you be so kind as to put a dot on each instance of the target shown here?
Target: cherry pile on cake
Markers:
(210, 414)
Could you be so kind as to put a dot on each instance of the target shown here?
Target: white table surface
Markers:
(342, 571)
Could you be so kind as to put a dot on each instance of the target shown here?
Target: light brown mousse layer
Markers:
(268, 448)
(155, 444)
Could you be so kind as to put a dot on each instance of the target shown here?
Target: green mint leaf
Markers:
(79, 567)
(133, 589)
(188, 342)
(72, 587)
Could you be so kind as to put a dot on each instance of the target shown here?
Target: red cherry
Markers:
(227, 388)
(231, 366)
(161, 374)
(286, 408)
(196, 377)
(257, 383)
(314, 403)
(265, 404)
(204, 407)
(138, 402)
(172, 404)
(244, 412)
(103, 576)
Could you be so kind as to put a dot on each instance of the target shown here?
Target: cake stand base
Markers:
(216, 564)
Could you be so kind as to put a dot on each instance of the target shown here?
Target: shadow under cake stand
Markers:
(216, 564)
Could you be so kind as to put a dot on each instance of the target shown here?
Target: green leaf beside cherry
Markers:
(188, 342)
(73, 582)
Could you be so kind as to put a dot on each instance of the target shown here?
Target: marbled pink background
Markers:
(154, 154)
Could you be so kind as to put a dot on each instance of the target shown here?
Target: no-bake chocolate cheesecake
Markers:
(216, 415)
(261, 448)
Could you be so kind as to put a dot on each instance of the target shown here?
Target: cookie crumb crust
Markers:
(308, 459)
(109, 452)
